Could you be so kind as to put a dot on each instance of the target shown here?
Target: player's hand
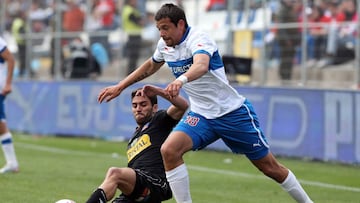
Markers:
(173, 89)
(108, 93)
(150, 90)
(6, 90)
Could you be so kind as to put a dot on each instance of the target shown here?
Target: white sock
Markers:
(8, 149)
(293, 187)
(179, 183)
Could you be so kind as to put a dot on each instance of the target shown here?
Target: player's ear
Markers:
(181, 23)
(155, 108)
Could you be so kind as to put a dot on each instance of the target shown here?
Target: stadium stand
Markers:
(256, 20)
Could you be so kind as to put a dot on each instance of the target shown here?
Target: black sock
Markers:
(96, 196)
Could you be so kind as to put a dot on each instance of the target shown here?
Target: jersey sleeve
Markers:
(2, 45)
(201, 43)
(157, 56)
(161, 118)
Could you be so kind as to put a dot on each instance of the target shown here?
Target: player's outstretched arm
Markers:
(148, 68)
(179, 103)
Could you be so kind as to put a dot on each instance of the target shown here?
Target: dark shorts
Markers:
(149, 188)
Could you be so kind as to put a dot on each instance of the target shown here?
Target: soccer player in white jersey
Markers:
(217, 111)
(7, 63)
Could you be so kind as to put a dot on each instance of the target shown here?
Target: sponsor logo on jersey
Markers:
(138, 145)
(180, 69)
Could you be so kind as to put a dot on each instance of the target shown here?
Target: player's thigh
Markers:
(198, 129)
(124, 178)
(240, 131)
(177, 142)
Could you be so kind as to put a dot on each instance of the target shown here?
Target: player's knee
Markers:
(168, 152)
(114, 173)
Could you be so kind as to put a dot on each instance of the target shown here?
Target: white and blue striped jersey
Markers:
(210, 95)
(3, 68)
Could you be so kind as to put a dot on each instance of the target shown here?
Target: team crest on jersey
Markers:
(138, 145)
(191, 120)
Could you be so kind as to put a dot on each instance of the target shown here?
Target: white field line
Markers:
(66, 151)
(248, 175)
(191, 167)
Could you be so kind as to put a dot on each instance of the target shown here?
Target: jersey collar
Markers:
(185, 34)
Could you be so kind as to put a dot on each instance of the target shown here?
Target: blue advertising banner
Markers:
(316, 124)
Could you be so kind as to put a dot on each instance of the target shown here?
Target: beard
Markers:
(142, 119)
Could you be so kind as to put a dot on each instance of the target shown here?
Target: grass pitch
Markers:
(53, 168)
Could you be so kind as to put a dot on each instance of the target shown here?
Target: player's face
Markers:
(170, 33)
(142, 109)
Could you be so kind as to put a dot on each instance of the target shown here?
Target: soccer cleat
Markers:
(9, 169)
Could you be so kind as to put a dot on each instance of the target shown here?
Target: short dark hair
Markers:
(173, 12)
(153, 99)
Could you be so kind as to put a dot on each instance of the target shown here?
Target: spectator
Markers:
(39, 26)
(38, 18)
(72, 12)
(80, 62)
(216, 5)
(337, 16)
(94, 23)
(105, 10)
(133, 24)
(288, 38)
(317, 35)
(346, 37)
(18, 30)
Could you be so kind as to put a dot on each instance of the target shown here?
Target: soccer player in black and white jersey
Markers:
(144, 179)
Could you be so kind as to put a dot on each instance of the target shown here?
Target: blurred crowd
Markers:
(332, 33)
(39, 23)
(330, 28)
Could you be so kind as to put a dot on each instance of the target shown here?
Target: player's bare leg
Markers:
(116, 178)
(273, 169)
(8, 149)
(119, 178)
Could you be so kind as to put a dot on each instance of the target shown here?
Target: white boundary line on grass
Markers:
(191, 167)
(248, 175)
